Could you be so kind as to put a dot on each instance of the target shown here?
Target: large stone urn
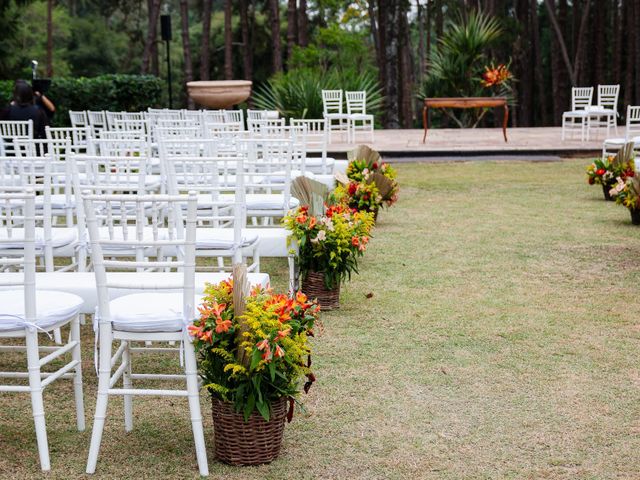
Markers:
(218, 94)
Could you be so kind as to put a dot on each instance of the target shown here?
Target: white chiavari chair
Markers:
(143, 317)
(25, 312)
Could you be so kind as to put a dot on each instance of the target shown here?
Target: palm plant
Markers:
(456, 66)
(298, 93)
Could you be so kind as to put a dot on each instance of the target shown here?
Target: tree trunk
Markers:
(375, 33)
(630, 52)
(636, 36)
(49, 38)
(228, 41)
(406, 79)
(525, 76)
(152, 32)
(186, 46)
(292, 27)
(421, 54)
(205, 61)
(303, 24)
(388, 22)
(538, 69)
(439, 19)
(600, 38)
(247, 50)
(559, 83)
(275, 35)
(617, 30)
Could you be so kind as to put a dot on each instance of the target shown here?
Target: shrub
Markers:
(298, 93)
(106, 92)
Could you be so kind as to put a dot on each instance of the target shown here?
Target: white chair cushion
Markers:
(60, 237)
(51, 308)
(273, 241)
(221, 238)
(576, 113)
(341, 166)
(361, 116)
(268, 201)
(149, 312)
(83, 284)
(318, 162)
(328, 179)
(59, 201)
(335, 116)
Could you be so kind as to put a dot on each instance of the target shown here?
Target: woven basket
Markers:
(313, 287)
(247, 443)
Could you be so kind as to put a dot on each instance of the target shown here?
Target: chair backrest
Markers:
(17, 213)
(235, 117)
(177, 132)
(11, 130)
(111, 174)
(78, 118)
(192, 115)
(154, 229)
(213, 116)
(356, 102)
(123, 116)
(332, 101)
(257, 125)
(97, 121)
(581, 98)
(633, 122)
(608, 96)
(316, 139)
(78, 136)
(262, 114)
(120, 144)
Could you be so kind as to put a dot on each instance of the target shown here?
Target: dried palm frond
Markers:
(342, 178)
(363, 152)
(310, 193)
(624, 155)
(383, 184)
(240, 292)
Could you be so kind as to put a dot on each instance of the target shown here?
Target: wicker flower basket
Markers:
(313, 287)
(635, 216)
(247, 443)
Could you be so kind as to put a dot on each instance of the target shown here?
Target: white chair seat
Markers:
(341, 166)
(336, 116)
(59, 201)
(576, 113)
(312, 162)
(268, 201)
(83, 284)
(596, 109)
(621, 140)
(221, 238)
(60, 237)
(273, 240)
(329, 180)
(149, 312)
(51, 309)
(361, 116)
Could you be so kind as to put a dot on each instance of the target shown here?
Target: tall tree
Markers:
(247, 47)
(538, 69)
(303, 24)
(572, 68)
(636, 36)
(274, 13)
(292, 27)
(228, 41)
(205, 63)
(49, 38)
(186, 46)
(152, 33)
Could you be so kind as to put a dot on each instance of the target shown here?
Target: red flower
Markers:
(355, 241)
(375, 165)
(591, 181)
(353, 187)
(600, 172)
(283, 333)
(279, 352)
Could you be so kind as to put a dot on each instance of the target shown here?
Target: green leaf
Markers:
(272, 370)
(256, 356)
(263, 408)
(249, 406)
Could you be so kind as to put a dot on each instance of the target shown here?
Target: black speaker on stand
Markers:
(165, 32)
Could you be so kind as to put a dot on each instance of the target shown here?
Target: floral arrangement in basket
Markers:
(253, 349)
(370, 183)
(611, 170)
(495, 76)
(329, 242)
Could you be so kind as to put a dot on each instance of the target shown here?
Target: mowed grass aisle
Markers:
(501, 340)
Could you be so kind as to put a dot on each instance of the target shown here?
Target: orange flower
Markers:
(302, 218)
(279, 352)
(222, 325)
(355, 241)
(227, 285)
(263, 344)
(312, 223)
(301, 297)
(283, 333)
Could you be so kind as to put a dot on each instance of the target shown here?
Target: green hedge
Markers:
(131, 93)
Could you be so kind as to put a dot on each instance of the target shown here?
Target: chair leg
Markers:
(57, 336)
(37, 402)
(104, 374)
(563, 128)
(77, 377)
(127, 383)
(193, 392)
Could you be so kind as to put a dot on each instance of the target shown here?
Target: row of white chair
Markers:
(129, 320)
(584, 116)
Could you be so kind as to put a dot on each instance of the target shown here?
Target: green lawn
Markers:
(502, 340)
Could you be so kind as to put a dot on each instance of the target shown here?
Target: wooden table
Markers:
(465, 102)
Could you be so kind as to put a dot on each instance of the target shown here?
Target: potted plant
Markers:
(253, 354)
(605, 172)
(364, 169)
(627, 193)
